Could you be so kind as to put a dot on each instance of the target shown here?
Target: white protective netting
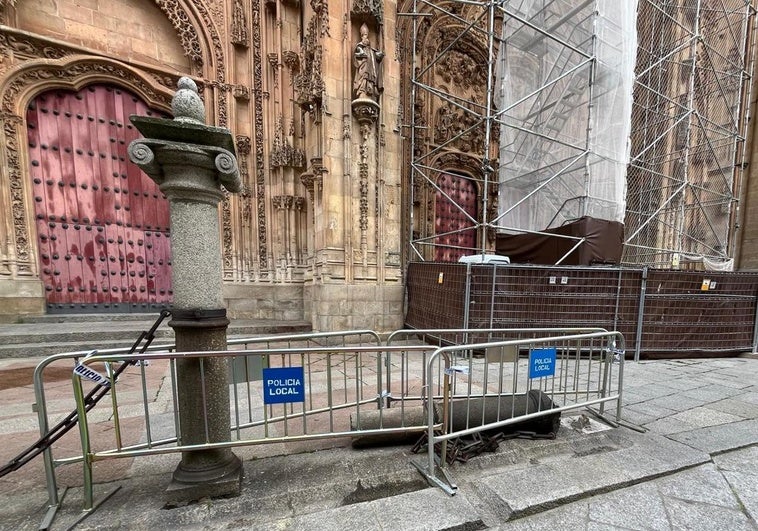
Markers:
(565, 77)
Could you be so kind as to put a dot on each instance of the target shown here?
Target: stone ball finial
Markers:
(187, 105)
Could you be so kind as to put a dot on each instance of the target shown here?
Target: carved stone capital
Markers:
(365, 110)
(307, 180)
(241, 92)
(291, 60)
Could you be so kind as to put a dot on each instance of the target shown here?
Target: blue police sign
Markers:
(283, 385)
(542, 362)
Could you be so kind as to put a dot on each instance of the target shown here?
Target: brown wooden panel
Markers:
(451, 219)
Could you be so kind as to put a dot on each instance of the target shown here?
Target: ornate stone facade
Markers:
(320, 222)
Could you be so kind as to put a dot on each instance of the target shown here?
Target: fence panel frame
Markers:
(614, 352)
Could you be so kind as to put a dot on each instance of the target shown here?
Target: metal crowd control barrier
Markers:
(346, 389)
(573, 371)
(335, 396)
(461, 337)
(51, 463)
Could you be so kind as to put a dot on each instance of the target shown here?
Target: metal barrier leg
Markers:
(52, 510)
(81, 412)
(53, 501)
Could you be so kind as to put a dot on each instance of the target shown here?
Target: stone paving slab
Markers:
(715, 439)
(540, 486)
(697, 499)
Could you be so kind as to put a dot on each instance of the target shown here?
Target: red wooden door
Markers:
(102, 224)
(451, 221)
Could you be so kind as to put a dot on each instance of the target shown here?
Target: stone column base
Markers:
(203, 394)
(223, 479)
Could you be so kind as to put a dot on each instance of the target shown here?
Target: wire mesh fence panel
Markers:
(660, 312)
(442, 288)
(705, 312)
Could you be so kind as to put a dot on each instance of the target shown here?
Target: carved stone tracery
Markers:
(309, 83)
(11, 127)
(243, 150)
(191, 43)
(260, 179)
(239, 24)
(363, 9)
(183, 26)
(283, 153)
(321, 10)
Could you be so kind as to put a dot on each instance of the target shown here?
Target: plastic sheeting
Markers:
(565, 72)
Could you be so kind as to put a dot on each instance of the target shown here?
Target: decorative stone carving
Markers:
(273, 61)
(283, 154)
(28, 47)
(309, 85)
(292, 61)
(68, 73)
(239, 24)
(183, 26)
(279, 202)
(462, 127)
(321, 9)
(191, 43)
(461, 70)
(346, 133)
(226, 218)
(241, 93)
(307, 180)
(365, 111)
(243, 146)
(243, 150)
(368, 8)
(420, 124)
(363, 188)
(11, 126)
(260, 181)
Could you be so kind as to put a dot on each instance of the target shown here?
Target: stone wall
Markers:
(134, 31)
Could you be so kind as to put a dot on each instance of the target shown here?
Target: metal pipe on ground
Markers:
(465, 413)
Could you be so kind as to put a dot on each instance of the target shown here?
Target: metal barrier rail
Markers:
(341, 397)
(573, 371)
(342, 338)
(460, 336)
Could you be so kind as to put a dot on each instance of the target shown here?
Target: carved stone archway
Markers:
(440, 51)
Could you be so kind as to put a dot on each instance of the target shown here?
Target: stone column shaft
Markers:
(190, 161)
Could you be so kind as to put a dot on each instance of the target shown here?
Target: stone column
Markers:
(190, 161)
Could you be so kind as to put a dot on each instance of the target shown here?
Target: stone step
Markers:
(53, 335)
(89, 318)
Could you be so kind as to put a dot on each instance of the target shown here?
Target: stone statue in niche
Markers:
(367, 83)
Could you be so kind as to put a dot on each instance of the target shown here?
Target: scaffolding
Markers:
(689, 125)
(525, 106)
